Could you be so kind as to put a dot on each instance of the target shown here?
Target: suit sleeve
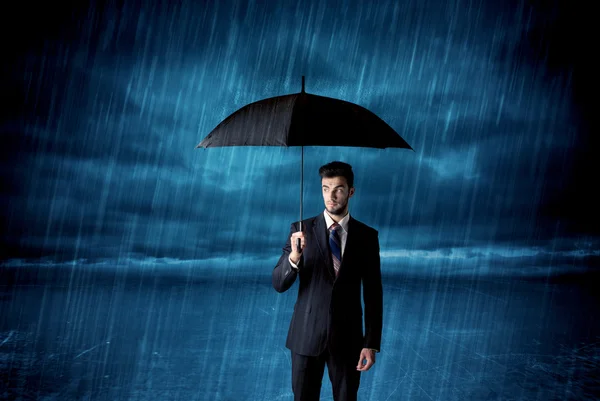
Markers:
(284, 275)
(373, 296)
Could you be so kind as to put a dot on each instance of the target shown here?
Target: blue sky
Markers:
(109, 102)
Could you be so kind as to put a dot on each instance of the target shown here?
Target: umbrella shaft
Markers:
(301, 193)
(301, 182)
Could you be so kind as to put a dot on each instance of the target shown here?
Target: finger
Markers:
(294, 237)
(360, 362)
(367, 366)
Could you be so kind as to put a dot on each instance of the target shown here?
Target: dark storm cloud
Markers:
(100, 160)
(556, 45)
(163, 213)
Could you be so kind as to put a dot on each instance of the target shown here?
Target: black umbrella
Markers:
(302, 119)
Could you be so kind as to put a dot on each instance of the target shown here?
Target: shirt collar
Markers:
(343, 223)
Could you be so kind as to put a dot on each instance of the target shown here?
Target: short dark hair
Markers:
(338, 169)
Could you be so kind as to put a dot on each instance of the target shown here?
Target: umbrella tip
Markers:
(302, 83)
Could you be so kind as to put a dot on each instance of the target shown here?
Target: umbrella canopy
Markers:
(303, 119)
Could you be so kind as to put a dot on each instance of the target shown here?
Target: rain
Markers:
(135, 266)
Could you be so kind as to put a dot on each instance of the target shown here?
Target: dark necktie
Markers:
(335, 244)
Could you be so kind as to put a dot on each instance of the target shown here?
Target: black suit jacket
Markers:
(328, 311)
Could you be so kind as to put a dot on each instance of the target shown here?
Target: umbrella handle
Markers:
(298, 247)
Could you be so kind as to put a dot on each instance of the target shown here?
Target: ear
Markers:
(350, 192)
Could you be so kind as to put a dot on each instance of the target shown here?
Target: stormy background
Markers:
(134, 266)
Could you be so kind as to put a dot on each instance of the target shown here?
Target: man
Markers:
(337, 253)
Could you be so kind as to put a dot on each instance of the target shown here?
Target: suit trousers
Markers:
(307, 376)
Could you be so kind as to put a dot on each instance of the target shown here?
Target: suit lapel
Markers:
(319, 230)
(349, 247)
(320, 233)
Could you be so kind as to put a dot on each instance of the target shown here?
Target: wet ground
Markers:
(82, 333)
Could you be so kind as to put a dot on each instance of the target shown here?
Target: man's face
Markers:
(336, 194)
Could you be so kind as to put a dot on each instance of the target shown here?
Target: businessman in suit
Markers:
(337, 254)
